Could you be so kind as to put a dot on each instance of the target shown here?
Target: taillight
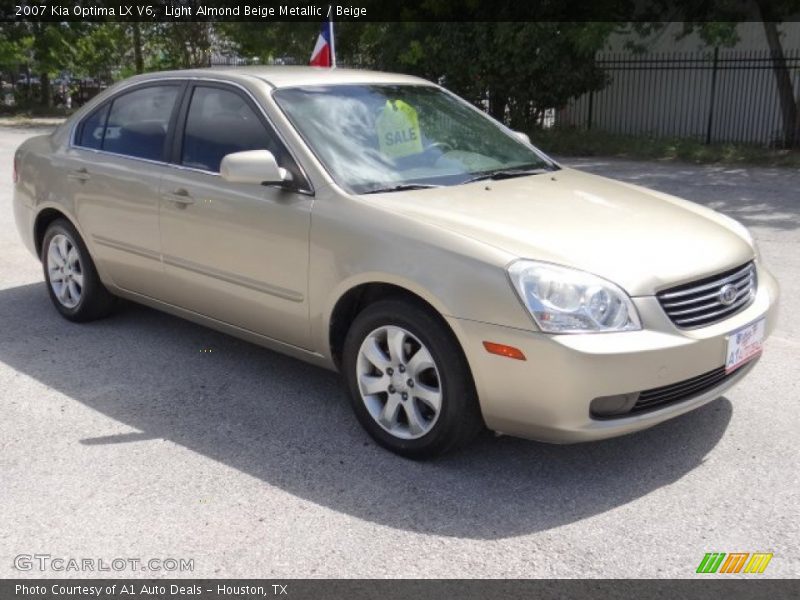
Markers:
(15, 173)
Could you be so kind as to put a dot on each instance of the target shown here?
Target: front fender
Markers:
(354, 242)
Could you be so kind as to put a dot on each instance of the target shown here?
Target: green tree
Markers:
(180, 45)
(44, 49)
(514, 70)
(101, 51)
(269, 40)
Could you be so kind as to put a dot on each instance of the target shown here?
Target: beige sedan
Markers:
(377, 224)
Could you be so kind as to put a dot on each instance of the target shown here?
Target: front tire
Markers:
(409, 382)
(72, 282)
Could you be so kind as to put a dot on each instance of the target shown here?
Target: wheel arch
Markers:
(43, 220)
(358, 297)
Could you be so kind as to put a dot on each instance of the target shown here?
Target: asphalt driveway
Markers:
(145, 436)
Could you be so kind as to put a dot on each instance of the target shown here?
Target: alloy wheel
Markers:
(64, 270)
(399, 382)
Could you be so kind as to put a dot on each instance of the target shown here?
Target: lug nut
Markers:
(405, 396)
(402, 368)
(410, 383)
(391, 389)
(390, 371)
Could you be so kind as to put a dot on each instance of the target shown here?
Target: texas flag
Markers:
(323, 54)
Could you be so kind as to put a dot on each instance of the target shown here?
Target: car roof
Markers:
(285, 76)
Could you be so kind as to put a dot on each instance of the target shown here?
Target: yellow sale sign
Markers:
(398, 129)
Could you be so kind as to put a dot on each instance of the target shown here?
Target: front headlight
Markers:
(563, 300)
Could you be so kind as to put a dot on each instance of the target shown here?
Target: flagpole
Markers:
(333, 45)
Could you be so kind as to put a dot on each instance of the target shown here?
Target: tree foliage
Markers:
(43, 49)
(515, 70)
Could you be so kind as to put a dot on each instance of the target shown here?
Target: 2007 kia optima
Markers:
(377, 224)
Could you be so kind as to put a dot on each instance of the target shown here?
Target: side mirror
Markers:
(253, 166)
(522, 137)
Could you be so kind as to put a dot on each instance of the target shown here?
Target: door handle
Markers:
(79, 175)
(181, 197)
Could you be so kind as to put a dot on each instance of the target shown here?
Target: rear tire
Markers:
(72, 282)
(409, 381)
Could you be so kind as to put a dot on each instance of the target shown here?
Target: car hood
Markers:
(638, 238)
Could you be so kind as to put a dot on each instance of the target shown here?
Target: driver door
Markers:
(235, 252)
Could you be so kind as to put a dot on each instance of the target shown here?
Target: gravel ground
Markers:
(120, 439)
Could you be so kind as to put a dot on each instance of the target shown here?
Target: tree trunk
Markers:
(796, 135)
(783, 79)
(45, 97)
(138, 61)
(498, 100)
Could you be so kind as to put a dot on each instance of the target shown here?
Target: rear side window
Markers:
(138, 122)
(92, 129)
(221, 122)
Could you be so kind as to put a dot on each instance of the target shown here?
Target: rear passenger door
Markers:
(234, 252)
(114, 168)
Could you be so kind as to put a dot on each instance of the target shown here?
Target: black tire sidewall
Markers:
(459, 419)
(95, 298)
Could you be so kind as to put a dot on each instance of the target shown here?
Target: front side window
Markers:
(375, 137)
(138, 122)
(221, 122)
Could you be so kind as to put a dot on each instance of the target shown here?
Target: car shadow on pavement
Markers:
(289, 424)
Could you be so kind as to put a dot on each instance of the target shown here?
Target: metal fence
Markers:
(22, 91)
(715, 96)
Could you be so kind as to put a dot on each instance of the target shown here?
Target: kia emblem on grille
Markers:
(727, 294)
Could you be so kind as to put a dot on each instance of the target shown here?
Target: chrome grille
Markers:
(700, 303)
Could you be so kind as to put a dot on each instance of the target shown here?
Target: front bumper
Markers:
(547, 396)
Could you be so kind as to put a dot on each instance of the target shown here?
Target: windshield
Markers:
(384, 137)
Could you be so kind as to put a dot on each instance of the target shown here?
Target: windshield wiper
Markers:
(401, 187)
(507, 174)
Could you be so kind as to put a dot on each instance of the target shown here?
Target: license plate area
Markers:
(744, 345)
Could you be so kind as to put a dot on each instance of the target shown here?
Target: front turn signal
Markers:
(503, 350)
